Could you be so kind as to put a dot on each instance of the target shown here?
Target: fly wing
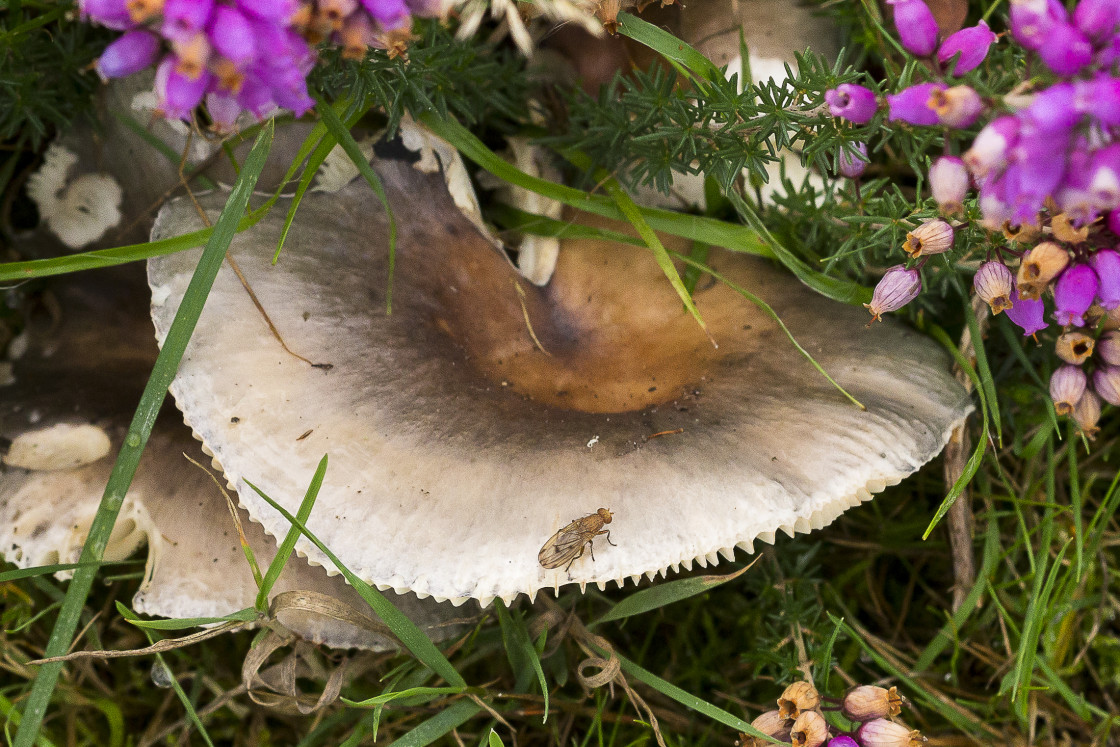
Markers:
(561, 547)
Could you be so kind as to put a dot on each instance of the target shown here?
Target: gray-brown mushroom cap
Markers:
(462, 437)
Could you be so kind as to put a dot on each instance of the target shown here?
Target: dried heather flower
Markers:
(932, 237)
(993, 283)
(809, 730)
(883, 733)
(1106, 383)
(1087, 414)
(1108, 347)
(1067, 384)
(1074, 293)
(852, 102)
(897, 288)
(1039, 266)
(971, 44)
(948, 181)
(771, 723)
(1074, 347)
(798, 697)
(868, 702)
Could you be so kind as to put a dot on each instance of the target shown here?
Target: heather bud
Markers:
(1027, 313)
(912, 105)
(1074, 293)
(883, 733)
(1039, 266)
(932, 237)
(971, 44)
(1074, 347)
(1106, 383)
(129, 54)
(798, 697)
(897, 288)
(809, 730)
(1067, 384)
(917, 28)
(852, 165)
(993, 282)
(958, 106)
(948, 180)
(854, 103)
(868, 702)
(1108, 347)
(1087, 414)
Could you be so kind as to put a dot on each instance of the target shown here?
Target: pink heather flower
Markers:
(391, 14)
(993, 283)
(1040, 164)
(1106, 264)
(897, 288)
(852, 102)
(179, 94)
(971, 44)
(956, 107)
(917, 28)
(223, 111)
(1097, 19)
(852, 165)
(232, 35)
(989, 150)
(182, 19)
(948, 180)
(112, 14)
(1106, 383)
(1052, 110)
(128, 54)
(1067, 385)
(842, 741)
(1028, 314)
(1114, 221)
(1108, 347)
(913, 105)
(270, 10)
(1032, 20)
(1100, 99)
(1066, 50)
(884, 733)
(1074, 293)
(1105, 180)
(1074, 198)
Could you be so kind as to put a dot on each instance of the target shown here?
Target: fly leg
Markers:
(577, 557)
(608, 533)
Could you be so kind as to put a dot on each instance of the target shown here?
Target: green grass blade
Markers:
(167, 363)
(342, 134)
(668, 46)
(246, 615)
(284, 551)
(523, 656)
(322, 149)
(439, 725)
(44, 570)
(380, 700)
(664, 594)
(984, 372)
(411, 636)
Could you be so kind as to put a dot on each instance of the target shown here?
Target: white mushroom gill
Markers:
(78, 211)
(458, 432)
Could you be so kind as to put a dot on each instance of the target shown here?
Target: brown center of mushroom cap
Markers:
(607, 333)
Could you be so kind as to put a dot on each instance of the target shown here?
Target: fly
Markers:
(568, 545)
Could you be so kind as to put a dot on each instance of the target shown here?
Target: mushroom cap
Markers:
(458, 446)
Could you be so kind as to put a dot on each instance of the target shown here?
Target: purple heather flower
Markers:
(916, 26)
(852, 102)
(182, 19)
(128, 54)
(1067, 386)
(1105, 180)
(1100, 98)
(948, 180)
(1032, 20)
(1097, 19)
(971, 44)
(956, 107)
(993, 283)
(1114, 221)
(109, 13)
(391, 14)
(1028, 314)
(270, 10)
(1106, 263)
(232, 35)
(1052, 110)
(1108, 347)
(1040, 164)
(1073, 196)
(897, 288)
(842, 741)
(851, 164)
(179, 94)
(989, 150)
(1106, 383)
(1074, 292)
(1066, 50)
(913, 104)
(223, 110)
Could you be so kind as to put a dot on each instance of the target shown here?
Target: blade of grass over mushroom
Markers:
(830, 287)
(522, 654)
(167, 363)
(44, 570)
(664, 594)
(973, 463)
(984, 372)
(246, 615)
(284, 551)
(695, 227)
(342, 134)
(323, 147)
(439, 725)
(404, 629)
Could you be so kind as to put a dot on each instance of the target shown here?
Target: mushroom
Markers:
(73, 388)
(486, 414)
